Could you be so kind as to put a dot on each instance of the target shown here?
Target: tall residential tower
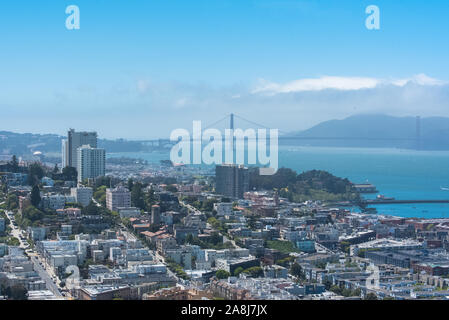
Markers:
(74, 141)
(91, 162)
(231, 180)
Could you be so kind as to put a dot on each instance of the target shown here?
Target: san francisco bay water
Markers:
(402, 174)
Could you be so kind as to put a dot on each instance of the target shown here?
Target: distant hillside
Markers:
(378, 131)
(27, 143)
(23, 144)
(360, 131)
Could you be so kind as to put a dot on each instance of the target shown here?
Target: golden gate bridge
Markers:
(414, 142)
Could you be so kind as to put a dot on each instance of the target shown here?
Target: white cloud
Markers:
(339, 83)
(420, 79)
(147, 108)
(142, 86)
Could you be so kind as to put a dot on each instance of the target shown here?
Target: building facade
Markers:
(91, 162)
(72, 143)
(83, 195)
(231, 180)
(119, 197)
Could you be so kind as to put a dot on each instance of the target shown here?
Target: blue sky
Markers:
(139, 69)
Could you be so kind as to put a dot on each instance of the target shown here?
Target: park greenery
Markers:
(214, 242)
(345, 292)
(176, 268)
(206, 205)
(222, 274)
(10, 241)
(15, 292)
(282, 246)
(309, 185)
(221, 226)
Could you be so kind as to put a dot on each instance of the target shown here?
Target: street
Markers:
(44, 273)
(129, 235)
(46, 277)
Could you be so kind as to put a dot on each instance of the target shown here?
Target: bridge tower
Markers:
(418, 133)
(231, 126)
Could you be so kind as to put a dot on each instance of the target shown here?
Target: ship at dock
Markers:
(382, 197)
(365, 188)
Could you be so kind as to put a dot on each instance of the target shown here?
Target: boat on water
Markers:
(382, 197)
(444, 188)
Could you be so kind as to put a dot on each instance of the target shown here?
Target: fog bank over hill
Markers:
(378, 131)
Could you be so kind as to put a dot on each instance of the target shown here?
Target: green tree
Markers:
(91, 209)
(100, 195)
(16, 292)
(69, 174)
(327, 284)
(150, 198)
(130, 184)
(14, 164)
(171, 188)
(238, 271)
(208, 204)
(222, 274)
(12, 201)
(285, 262)
(35, 196)
(371, 296)
(216, 238)
(13, 241)
(137, 196)
(189, 239)
(214, 223)
(336, 289)
(35, 173)
(32, 213)
(103, 181)
(296, 270)
(345, 246)
(254, 272)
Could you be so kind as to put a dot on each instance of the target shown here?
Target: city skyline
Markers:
(158, 66)
(224, 154)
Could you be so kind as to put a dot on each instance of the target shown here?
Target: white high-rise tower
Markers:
(91, 162)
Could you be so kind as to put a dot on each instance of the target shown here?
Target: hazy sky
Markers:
(139, 69)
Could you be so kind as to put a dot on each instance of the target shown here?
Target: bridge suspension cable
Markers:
(216, 122)
(255, 123)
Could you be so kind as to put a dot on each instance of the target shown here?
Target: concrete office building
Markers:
(65, 153)
(72, 143)
(231, 180)
(55, 201)
(223, 208)
(2, 225)
(119, 197)
(129, 212)
(91, 162)
(155, 214)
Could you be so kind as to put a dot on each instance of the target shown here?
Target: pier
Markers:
(380, 201)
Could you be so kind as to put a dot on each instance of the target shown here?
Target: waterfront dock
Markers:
(385, 201)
